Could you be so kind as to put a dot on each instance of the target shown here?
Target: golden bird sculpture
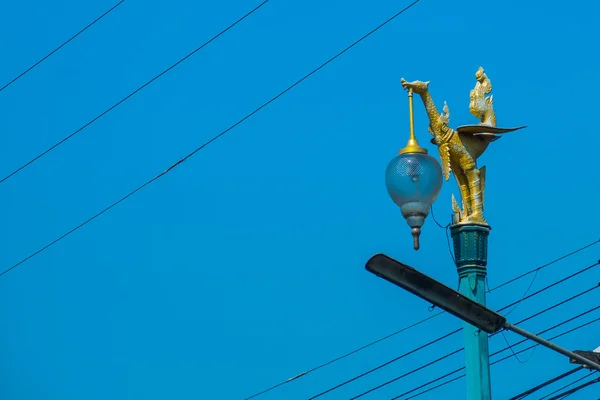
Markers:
(459, 149)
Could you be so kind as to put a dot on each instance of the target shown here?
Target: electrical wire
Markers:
(534, 389)
(567, 385)
(435, 220)
(447, 236)
(546, 265)
(504, 358)
(195, 151)
(199, 148)
(410, 326)
(462, 348)
(412, 371)
(575, 389)
(388, 363)
(495, 362)
(341, 357)
(61, 46)
(558, 304)
(547, 330)
(581, 271)
(535, 275)
(130, 95)
(516, 356)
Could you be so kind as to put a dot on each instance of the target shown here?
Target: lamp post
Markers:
(414, 179)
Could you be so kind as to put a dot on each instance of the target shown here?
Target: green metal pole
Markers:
(470, 252)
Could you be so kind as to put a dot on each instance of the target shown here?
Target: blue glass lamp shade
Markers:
(414, 181)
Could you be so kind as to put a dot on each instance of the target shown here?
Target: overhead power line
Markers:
(553, 284)
(575, 389)
(325, 364)
(130, 95)
(341, 357)
(502, 359)
(548, 382)
(195, 151)
(61, 46)
(533, 271)
(445, 336)
(567, 385)
(462, 348)
(495, 362)
(433, 342)
(385, 364)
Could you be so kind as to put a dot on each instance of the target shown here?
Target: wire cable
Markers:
(546, 265)
(341, 357)
(559, 304)
(495, 362)
(22, 74)
(435, 220)
(516, 356)
(388, 363)
(446, 230)
(408, 373)
(575, 389)
(462, 348)
(535, 275)
(504, 358)
(199, 148)
(567, 385)
(548, 382)
(581, 271)
(130, 95)
(409, 327)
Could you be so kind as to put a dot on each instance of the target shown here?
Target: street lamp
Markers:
(463, 307)
(413, 180)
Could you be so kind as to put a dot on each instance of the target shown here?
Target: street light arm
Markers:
(582, 360)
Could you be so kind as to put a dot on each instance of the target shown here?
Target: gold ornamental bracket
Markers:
(460, 148)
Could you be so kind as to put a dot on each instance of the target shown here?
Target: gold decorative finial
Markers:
(460, 148)
(412, 146)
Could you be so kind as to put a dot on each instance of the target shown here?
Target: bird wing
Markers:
(486, 130)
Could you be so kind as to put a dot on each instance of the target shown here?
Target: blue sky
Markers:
(245, 265)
